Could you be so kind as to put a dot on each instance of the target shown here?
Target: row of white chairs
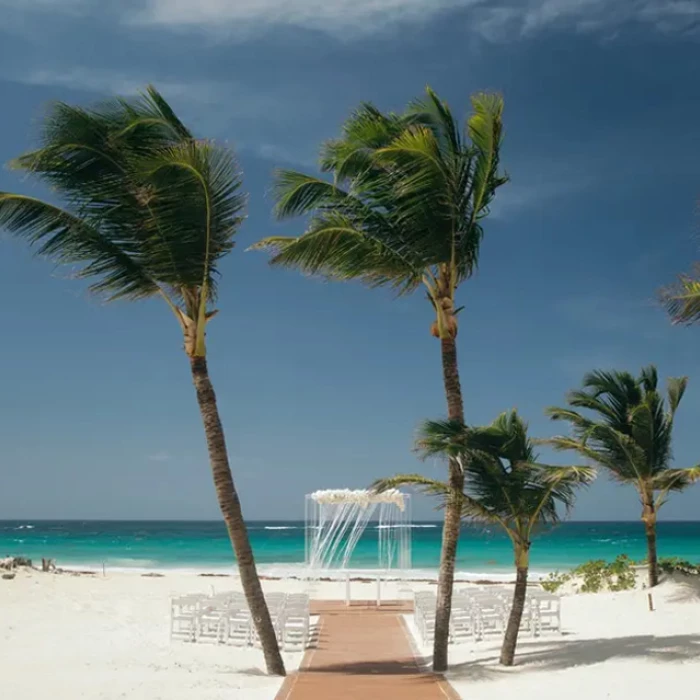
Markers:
(478, 613)
(225, 618)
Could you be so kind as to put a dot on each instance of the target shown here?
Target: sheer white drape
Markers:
(336, 520)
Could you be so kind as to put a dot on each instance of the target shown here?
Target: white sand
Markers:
(612, 648)
(67, 637)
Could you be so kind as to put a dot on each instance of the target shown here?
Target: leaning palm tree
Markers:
(628, 432)
(404, 209)
(149, 212)
(505, 485)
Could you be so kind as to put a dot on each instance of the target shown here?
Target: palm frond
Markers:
(675, 390)
(432, 487)
(562, 444)
(296, 193)
(682, 300)
(333, 248)
(676, 479)
(630, 434)
(442, 438)
(409, 184)
(146, 208)
(649, 378)
(485, 131)
(67, 239)
(368, 129)
(432, 112)
(196, 208)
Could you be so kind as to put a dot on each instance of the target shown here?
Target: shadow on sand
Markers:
(531, 656)
(688, 590)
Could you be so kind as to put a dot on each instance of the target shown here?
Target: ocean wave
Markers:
(25, 527)
(413, 526)
(128, 563)
(281, 527)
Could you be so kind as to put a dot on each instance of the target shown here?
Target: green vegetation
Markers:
(682, 299)
(630, 437)
(150, 212)
(671, 565)
(504, 485)
(405, 209)
(554, 581)
(597, 575)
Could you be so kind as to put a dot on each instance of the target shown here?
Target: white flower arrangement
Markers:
(362, 497)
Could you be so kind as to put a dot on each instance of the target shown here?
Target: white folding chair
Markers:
(183, 616)
(212, 620)
(238, 627)
(490, 614)
(546, 613)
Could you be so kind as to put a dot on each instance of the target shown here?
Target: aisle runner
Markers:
(363, 653)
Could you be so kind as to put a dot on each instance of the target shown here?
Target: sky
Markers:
(322, 385)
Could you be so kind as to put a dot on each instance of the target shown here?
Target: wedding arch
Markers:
(336, 520)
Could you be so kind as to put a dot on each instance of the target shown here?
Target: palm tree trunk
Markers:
(650, 528)
(453, 512)
(516, 615)
(233, 516)
(649, 520)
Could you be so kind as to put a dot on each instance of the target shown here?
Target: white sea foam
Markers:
(294, 571)
(281, 527)
(413, 526)
(25, 527)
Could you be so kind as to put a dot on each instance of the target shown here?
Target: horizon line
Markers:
(285, 520)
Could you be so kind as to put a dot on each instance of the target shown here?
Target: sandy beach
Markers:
(611, 647)
(73, 636)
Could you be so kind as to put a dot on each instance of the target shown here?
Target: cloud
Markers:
(109, 82)
(230, 102)
(340, 17)
(213, 107)
(493, 20)
(516, 196)
(86, 79)
(281, 154)
(159, 457)
(526, 18)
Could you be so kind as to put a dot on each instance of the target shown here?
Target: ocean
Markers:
(279, 546)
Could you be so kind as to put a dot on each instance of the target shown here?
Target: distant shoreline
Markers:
(210, 521)
(279, 546)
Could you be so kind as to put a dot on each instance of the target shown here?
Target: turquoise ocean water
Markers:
(279, 546)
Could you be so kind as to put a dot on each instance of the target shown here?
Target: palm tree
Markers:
(505, 485)
(629, 435)
(682, 300)
(150, 211)
(404, 210)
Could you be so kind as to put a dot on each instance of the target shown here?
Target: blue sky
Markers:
(322, 385)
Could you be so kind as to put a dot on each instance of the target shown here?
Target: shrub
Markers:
(670, 565)
(554, 581)
(598, 575)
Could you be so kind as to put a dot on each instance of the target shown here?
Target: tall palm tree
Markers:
(505, 485)
(149, 212)
(404, 209)
(629, 434)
